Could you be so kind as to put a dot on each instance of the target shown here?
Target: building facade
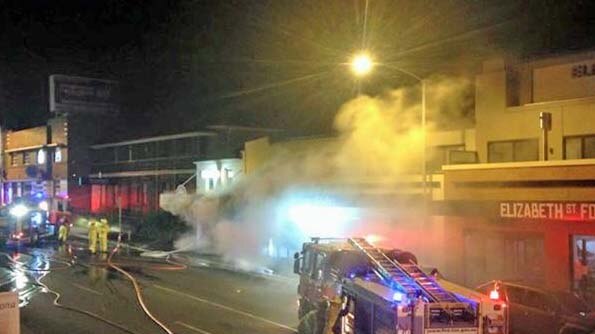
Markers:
(136, 171)
(515, 216)
(35, 161)
(506, 213)
(511, 95)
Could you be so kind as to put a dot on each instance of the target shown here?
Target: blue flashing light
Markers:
(352, 275)
(398, 297)
(39, 195)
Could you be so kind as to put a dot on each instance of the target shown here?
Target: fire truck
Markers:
(349, 286)
(33, 218)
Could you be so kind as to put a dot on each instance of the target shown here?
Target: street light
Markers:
(361, 64)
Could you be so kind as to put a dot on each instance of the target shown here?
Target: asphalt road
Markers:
(198, 299)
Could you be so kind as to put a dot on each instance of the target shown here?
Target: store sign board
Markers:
(9, 313)
(581, 211)
(564, 81)
(80, 95)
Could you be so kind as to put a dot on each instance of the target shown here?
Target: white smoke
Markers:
(379, 140)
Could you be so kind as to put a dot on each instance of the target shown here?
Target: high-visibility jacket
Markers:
(103, 231)
(93, 236)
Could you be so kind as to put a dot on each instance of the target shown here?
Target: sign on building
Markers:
(78, 94)
(574, 211)
(9, 313)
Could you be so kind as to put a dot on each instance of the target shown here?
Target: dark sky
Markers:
(186, 64)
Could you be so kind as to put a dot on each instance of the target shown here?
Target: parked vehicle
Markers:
(535, 310)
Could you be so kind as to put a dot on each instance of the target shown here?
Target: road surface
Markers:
(205, 300)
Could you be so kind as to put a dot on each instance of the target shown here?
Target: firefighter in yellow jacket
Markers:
(93, 223)
(62, 233)
(102, 231)
(64, 230)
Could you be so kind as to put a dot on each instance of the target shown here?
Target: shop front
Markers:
(533, 224)
(549, 244)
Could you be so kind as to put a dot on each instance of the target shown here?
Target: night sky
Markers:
(187, 64)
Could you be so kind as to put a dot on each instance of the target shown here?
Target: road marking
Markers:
(227, 308)
(87, 289)
(198, 330)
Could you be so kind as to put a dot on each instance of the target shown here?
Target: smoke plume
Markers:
(377, 148)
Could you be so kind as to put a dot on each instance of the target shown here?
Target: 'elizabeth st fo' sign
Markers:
(573, 211)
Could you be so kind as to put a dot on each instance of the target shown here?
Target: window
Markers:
(143, 151)
(318, 269)
(58, 155)
(105, 155)
(513, 150)
(513, 86)
(41, 157)
(440, 156)
(28, 158)
(123, 153)
(508, 256)
(582, 147)
(14, 159)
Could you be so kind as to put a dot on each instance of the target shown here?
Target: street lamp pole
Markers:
(424, 172)
(362, 65)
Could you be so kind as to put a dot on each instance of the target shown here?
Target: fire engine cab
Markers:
(33, 218)
(349, 286)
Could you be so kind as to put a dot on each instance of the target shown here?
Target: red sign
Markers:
(548, 210)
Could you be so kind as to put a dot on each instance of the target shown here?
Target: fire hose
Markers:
(137, 290)
(56, 301)
(172, 265)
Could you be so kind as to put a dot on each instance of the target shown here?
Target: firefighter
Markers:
(333, 312)
(103, 230)
(62, 233)
(64, 229)
(93, 235)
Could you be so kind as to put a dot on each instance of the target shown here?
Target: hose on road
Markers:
(56, 301)
(78, 310)
(138, 292)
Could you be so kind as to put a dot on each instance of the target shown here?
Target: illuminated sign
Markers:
(77, 94)
(9, 313)
(583, 70)
(548, 210)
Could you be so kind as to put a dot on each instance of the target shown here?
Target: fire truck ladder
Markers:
(409, 276)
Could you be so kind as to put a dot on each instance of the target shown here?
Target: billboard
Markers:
(78, 94)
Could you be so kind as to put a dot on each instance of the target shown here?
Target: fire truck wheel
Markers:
(310, 323)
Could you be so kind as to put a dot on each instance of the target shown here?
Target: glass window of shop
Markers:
(506, 256)
(579, 147)
(583, 264)
(513, 150)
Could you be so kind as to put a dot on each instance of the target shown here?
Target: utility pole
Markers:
(120, 220)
